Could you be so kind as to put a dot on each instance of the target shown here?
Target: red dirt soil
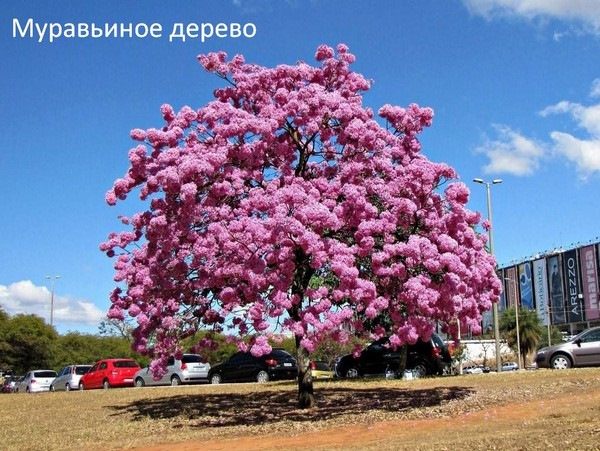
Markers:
(408, 433)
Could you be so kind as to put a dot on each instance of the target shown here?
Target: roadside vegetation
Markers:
(27, 342)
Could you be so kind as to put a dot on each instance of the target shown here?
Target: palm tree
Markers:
(556, 336)
(530, 331)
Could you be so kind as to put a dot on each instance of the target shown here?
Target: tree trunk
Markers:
(306, 397)
(402, 361)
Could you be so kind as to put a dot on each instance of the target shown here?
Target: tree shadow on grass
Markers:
(258, 407)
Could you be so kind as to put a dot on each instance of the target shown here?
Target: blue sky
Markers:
(515, 86)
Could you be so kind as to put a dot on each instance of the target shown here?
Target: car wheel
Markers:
(68, 387)
(52, 389)
(215, 379)
(262, 377)
(420, 370)
(560, 362)
(175, 381)
(352, 373)
(139, 382)
(105, 384)
(81, 386)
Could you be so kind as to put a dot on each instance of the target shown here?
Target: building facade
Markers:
(561, 286)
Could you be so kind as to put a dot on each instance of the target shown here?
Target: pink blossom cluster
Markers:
(286, 178)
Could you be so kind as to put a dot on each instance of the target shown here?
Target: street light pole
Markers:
(491, 240)
(548, 321)
(53, 278)
(517, 325)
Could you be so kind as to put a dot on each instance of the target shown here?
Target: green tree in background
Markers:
(111, 327)
(556, 337)
(530, 331)
(4, 346)
(77, 348)
(222, 350)
(3, 316)
(27, 342)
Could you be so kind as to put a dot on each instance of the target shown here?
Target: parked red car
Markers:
(109, 373)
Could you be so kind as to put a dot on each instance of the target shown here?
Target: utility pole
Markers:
(491, 240)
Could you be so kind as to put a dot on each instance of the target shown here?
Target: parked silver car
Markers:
(581, 350)
(68, 377)
(36, 381)
(510, 366)
(189, 369)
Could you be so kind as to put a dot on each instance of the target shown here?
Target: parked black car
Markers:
(424, 357)
(244, 367)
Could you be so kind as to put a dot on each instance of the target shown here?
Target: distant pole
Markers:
(460, 363)
(517, 324)
(53, 278)
(491, 240)
(548, 321)
(518, 332)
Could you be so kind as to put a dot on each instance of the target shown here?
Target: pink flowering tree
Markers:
(282, 181)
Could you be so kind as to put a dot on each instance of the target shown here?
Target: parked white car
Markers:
(68, 377)
(473, 369)
(36, 381)
(189, 369)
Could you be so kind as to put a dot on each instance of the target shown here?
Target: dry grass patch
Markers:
(125, 418)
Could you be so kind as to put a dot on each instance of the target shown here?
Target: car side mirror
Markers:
(578, 342)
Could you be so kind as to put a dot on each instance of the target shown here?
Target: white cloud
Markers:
(25, 297)
(512, 153)
(595, 91)
(587, 118)
(558, 35)
(584, 153)
(561, 107)
(584, 13)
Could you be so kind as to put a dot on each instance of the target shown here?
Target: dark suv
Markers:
(424, 357)
(243, 366)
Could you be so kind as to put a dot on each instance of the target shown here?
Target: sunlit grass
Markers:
(138, 417)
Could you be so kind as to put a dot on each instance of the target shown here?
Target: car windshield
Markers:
(321, 366)
(586, 336)
(44, 374)
(438, 341)
(81, 370)
(126, 364)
